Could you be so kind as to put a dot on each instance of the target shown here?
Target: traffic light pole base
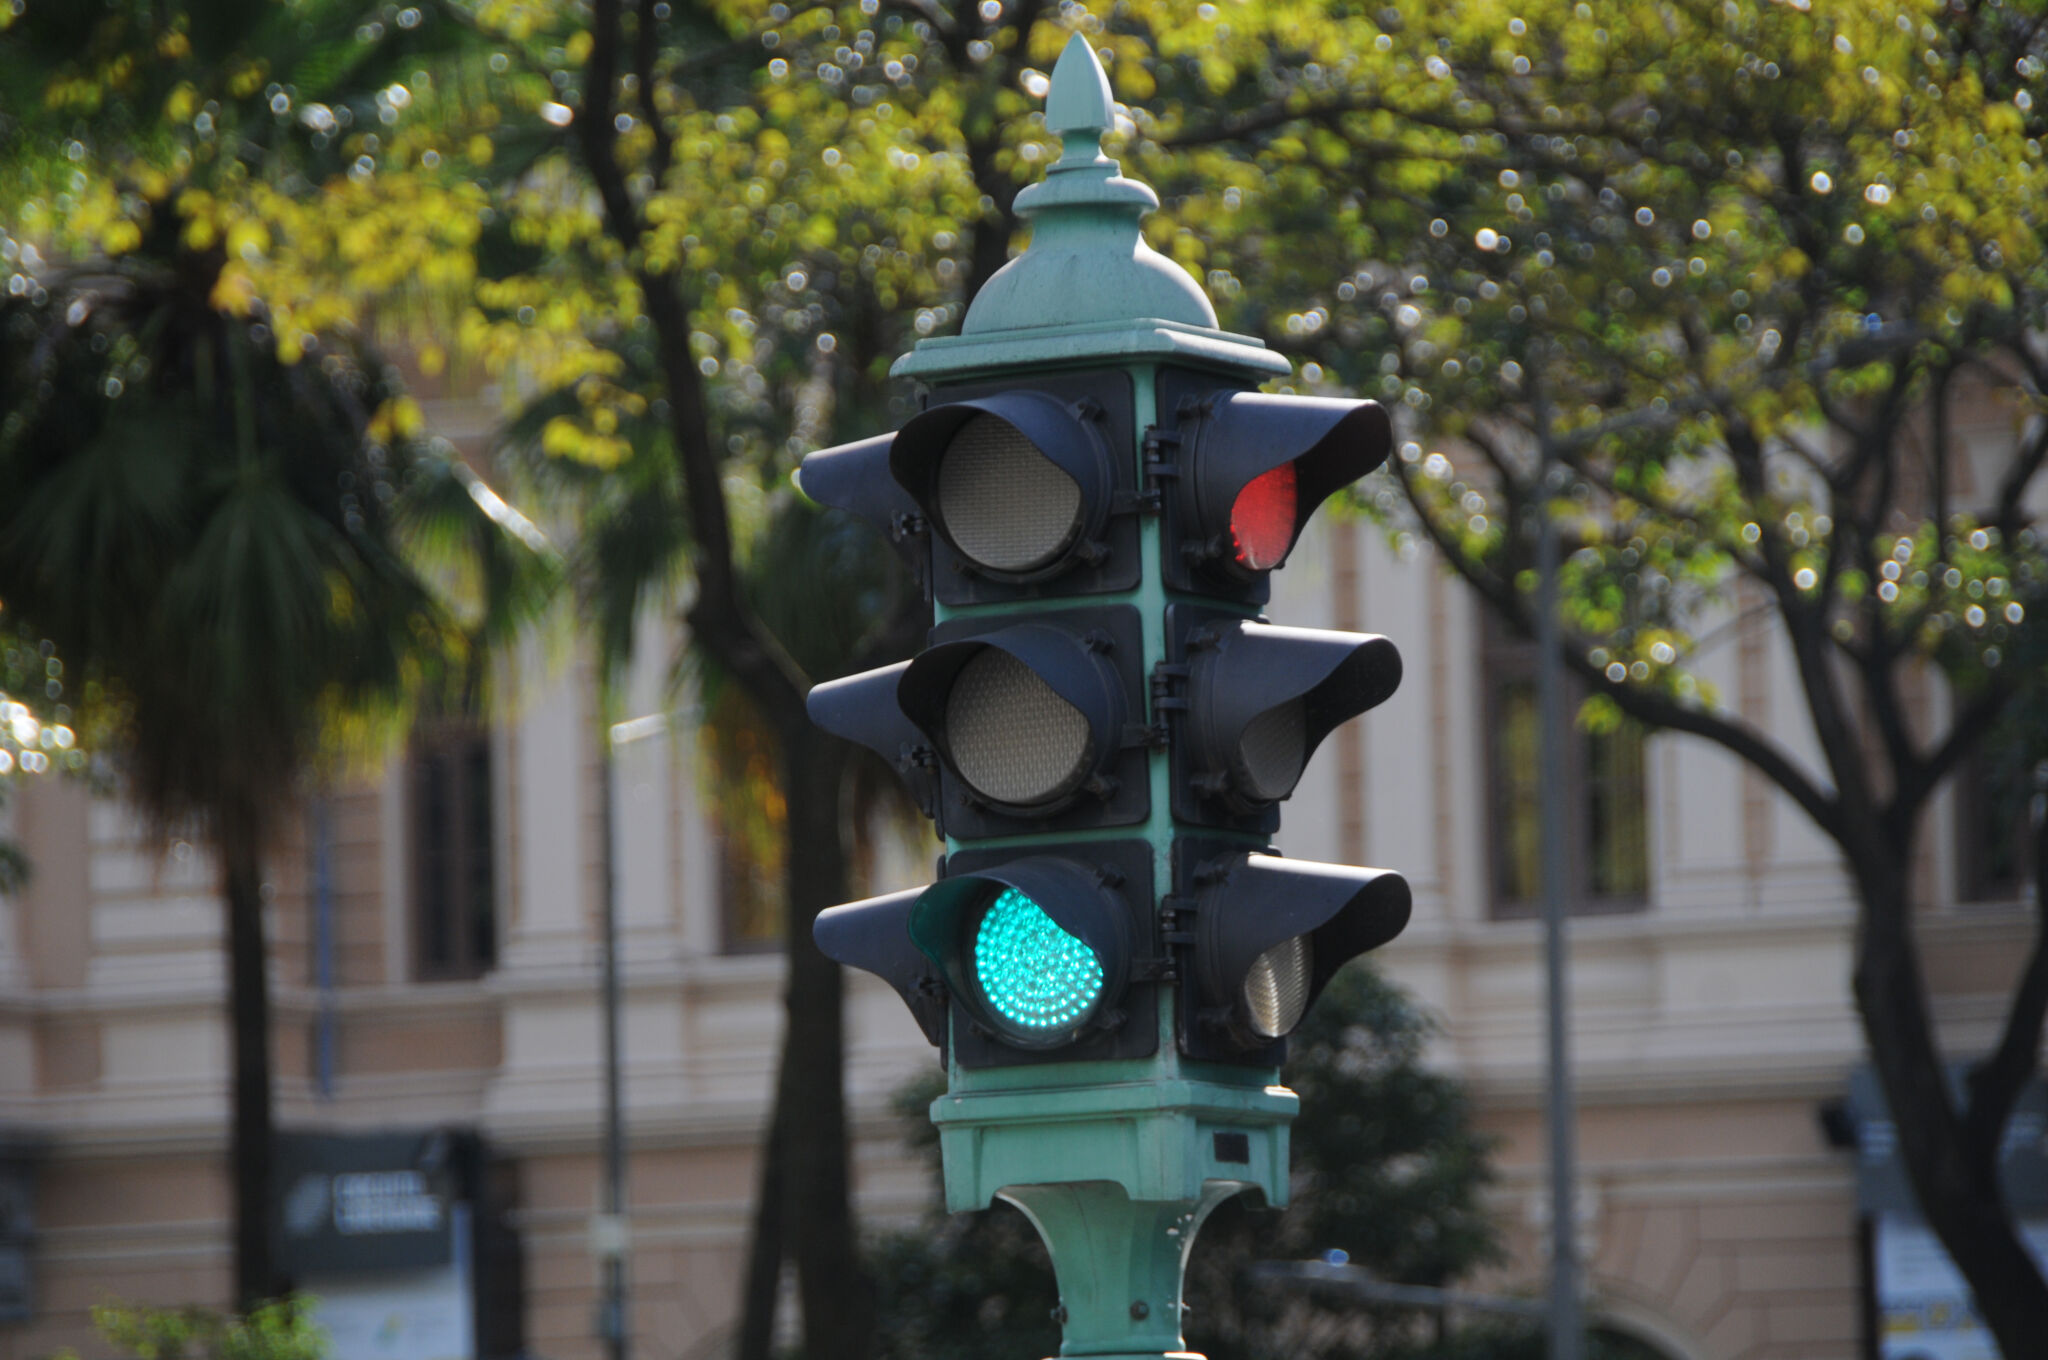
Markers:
(1119, 1263)
(1117, 1175)
(1158, 1138)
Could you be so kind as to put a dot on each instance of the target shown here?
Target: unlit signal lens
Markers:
(1010, 735)
(1005, 504)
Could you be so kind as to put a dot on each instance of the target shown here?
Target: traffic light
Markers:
(1044, 721)
(1010, 724)
(1049, 954)
(1252, 702)
(1103, 726)
(1023, 488)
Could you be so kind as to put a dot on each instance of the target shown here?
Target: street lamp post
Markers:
(609, 1235)
(1567, 1327)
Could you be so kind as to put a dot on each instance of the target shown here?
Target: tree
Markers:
(636, 208)
(224, 514)
(1764, 283)
(762, 246)
(1388, 1172)
(1737, 268)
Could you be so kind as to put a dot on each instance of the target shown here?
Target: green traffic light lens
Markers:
(1035, 975)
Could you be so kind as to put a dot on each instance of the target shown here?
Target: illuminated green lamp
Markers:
(1031, 972)
(1032, 948)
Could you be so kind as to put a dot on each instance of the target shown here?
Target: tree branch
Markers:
(2012, 488)
(1964, 734)
(943, 24)
(644, 44)
(720, 618)
(1646, 706)
(1995, 1084)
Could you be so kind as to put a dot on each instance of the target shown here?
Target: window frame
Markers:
(470, 852)
(1969, 803)
(1507, 660)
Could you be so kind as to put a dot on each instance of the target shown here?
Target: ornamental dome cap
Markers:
(1087, 262)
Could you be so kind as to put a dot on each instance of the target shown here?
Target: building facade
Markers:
(435, 965)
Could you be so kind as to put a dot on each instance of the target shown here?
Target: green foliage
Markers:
(1387, 1169)
(37, 735)
(219, 503)
(215, 499)
(1709, 255)
(281, 1330)
(227, 540)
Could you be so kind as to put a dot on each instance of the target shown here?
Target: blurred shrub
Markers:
(280, 1330)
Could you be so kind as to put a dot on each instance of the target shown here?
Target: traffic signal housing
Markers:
(1027, 488)
(1262, 936)
(1017, 724)
(1049, 955)
(1249, 703)
(1244, 471)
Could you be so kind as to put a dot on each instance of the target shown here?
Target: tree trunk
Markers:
(764, 1253)
(1957, 1188)
(818, 1223)
(805, 1207)
(250, 1143)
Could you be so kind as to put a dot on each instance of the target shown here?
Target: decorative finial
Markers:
(1079, 99)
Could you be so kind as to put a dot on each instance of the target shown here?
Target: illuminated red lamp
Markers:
(1262, 519)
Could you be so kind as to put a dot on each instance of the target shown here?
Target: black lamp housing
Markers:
(1082, 425)
(1233, 904)
(1214, 441)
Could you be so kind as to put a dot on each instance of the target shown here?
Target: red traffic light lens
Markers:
(1262, 519)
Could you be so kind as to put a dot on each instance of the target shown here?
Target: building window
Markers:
(1606, 815)
(1994, 840)
(448, 778)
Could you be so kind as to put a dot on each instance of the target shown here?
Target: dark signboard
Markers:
(369, 1201)
(1917, 1305)
(1881, 1184)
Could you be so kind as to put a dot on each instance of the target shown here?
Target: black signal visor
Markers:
(874, 936)
(864, 708)
(1257, 701)
(1241, 904)
(1249, 470)
(855, 478)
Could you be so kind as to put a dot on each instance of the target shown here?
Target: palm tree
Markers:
(253, 554)
(249, 559)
